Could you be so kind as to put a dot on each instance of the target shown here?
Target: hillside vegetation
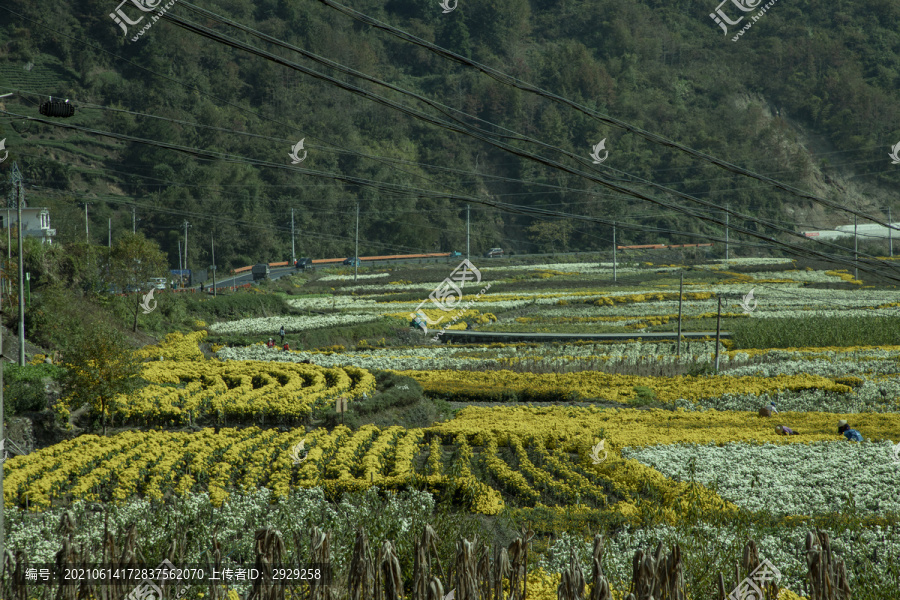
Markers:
(806, 77)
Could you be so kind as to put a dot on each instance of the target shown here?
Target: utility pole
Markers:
(87, 235)
(186, 225)
(8, 236)
(718, 331)
(614, 252)
(2, 438)
(133, 221)
(467, 232)
(109, 239)
(356, 256)
(726, 233)
(293, 254)
(890, 233)
(212, 245)
(180, 268)
(680, 298)
(19, 200)
(855, 249)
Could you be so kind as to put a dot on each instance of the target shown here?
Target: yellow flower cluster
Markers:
(614, 387)
(537, 455)
(182, 391)
(649, 297)
(176, 346)
(844, 275)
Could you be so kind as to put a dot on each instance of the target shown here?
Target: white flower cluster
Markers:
(787, 479)
(271, 325)
(456, 357)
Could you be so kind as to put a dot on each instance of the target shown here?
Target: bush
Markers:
(23, 387)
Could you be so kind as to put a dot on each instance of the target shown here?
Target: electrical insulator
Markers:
(57, 109)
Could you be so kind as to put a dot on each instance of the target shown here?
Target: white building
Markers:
(35, 222)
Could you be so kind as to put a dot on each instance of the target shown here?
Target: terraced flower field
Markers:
(685, 453)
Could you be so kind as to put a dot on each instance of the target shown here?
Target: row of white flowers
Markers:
(271, 325)
(454, 357)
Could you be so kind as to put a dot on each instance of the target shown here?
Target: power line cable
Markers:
(468, 130)
(522, 85)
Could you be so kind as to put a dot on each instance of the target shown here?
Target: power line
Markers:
(474, 132)
(519, 84)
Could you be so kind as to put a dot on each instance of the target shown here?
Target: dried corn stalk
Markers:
(599, 584)
(435, 590)
(17, 576)
(269, 548)
(502, 570)
(424, 552)
(483, 573)
(320, 554)
(391, 573)
(827, 573)
(362, 571)
(215, 554)
(518, 558)
(67, 558)
(466, 570)
(655, 577)
(571, 586)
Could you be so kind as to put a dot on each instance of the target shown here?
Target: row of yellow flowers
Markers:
(614, 387)
(183, 391)
(185, 386)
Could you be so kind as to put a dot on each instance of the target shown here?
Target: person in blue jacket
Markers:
(851, 434)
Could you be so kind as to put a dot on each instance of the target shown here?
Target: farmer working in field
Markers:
(782, 430)
(851, 434)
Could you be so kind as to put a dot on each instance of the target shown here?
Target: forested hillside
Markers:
(810, 95)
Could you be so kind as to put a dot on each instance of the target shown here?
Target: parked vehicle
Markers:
(455, 254)
(158, 283)
(352, 262)
(260, 271)
(494, 253)
(304, 263)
